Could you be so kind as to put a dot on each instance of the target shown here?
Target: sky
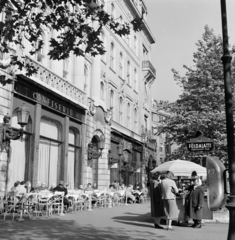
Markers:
(177, 25)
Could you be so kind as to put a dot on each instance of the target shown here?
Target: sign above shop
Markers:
(48, 100)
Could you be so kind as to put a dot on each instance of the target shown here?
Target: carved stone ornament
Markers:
(92, 109)
(108, 116)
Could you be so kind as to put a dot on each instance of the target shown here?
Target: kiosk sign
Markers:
(200, 143)
(200, 146)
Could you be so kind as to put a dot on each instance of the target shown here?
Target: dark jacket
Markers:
(196, 199)
(61, 189)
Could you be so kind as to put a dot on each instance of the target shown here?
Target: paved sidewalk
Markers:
(121, 222)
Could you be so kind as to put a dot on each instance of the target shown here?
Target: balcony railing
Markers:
(57, 83)
(147, 65)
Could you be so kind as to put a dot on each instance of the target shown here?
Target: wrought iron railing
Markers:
(148, 65)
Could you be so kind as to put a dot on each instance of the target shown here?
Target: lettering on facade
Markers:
(47, 101)
(53, 104)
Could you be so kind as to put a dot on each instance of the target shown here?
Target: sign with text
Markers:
(200, 143)
(200, 146)
(48, 100)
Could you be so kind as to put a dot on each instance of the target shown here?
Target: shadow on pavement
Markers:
(45, 229)
(146, 218)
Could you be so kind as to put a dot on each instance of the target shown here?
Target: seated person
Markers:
(43, 187)
(38, 187)
(14, 188)
(129, 194)
(20, 189)
(94, 185)
(111, 188)
(52, 187)
(115, 185)
(89, 188)
(138, 186)
(60, 188)
(29, 187)
(81, 188)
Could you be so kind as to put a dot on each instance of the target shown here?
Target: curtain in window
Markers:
(71, 163)
(48, 161)
(18, 161)
(48, 152)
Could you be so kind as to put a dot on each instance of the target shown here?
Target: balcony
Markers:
(148, 67)
(57, 84)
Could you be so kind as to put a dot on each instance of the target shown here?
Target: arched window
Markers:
(129, 115)
(120, 110)
(121, 65)
(112, 56)
(49, 151)
(102, 90)
(135, 80)
(128, 72)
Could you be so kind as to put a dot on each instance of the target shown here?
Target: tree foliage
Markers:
(201, 105)
(77, 23)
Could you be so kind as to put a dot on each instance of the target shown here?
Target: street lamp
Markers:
(226, 59)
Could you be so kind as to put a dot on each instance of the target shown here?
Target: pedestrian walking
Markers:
(169, 189)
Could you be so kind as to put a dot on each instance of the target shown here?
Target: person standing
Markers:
(195, 204)
(157, 211)
(169, 189)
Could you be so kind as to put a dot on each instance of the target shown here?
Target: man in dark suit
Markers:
(196, 199)
(60, 188)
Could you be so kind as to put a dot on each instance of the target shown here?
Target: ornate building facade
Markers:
(89, 117)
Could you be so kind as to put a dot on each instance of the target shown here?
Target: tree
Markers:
(201, 106)
(78, 25)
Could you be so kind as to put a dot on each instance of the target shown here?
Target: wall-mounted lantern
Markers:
(23, 116)
(120, 149)
(8, 133)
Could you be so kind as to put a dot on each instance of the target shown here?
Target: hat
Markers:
(61, 182)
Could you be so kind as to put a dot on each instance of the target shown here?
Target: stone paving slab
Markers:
(121, 222)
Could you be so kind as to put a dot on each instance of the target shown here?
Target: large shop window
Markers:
(49, 151)
(73, 158)
(20, 154)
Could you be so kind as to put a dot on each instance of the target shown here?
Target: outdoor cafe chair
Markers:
(44, 203)
(11, 205)
(2, 195)
(58, 202)
(31, 203)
